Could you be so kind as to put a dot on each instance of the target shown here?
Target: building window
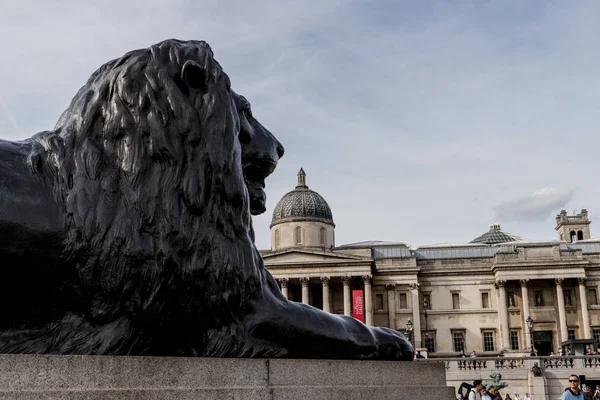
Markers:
(429, 341)
(571, 334)
(573, 237)
(403, 301)
(322, 236)
(568, 300)
(510, 298)
(539, 298)
(455, 301)
(379, 302)
(276, 238)
(485, 300)
(298, 235)
(596, 336)
(592, 297)
(488, 341)
(459, 341)
(427, 301)
(579, 235)
(514, 340)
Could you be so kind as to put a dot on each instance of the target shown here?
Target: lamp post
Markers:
(530, 327)
(409, 329)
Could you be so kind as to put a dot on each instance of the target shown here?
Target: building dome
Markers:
(495, 235)
(302, 204)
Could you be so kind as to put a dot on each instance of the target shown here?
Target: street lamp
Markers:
(529, 321)
(409, 329)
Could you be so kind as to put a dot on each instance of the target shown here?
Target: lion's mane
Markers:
(147, 171)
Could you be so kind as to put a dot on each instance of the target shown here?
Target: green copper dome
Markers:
(495, 235)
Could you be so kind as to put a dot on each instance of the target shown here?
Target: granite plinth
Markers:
(27, 377)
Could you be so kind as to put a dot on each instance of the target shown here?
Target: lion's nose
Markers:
(280, 150)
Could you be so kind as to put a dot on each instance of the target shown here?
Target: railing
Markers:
(518, 363)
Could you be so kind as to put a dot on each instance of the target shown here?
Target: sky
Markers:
(421, 122)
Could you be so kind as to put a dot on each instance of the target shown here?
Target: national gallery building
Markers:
(475, 296)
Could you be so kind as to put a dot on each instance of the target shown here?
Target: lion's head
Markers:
(158, 181)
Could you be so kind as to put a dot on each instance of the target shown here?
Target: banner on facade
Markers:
(358, 308)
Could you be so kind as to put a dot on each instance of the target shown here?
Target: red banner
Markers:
(358, 308)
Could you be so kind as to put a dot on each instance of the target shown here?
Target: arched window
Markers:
(573, 236)
(579, 235)
(322, 236)
(298, 235)
(276, 238)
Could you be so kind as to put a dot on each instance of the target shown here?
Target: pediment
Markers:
(308, 256)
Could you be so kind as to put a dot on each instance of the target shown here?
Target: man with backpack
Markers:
(475, 392)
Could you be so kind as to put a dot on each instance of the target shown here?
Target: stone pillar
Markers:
(503, 314)
(525, 311)
(416, 309)
(562, 315)
(284, 286)
(391, 292)
(585, 314)
(304, 281)
(368, 301)
(325, 282)
(347, 296)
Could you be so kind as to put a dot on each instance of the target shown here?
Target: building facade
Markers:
(468, 297)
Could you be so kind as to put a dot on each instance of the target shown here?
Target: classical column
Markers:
(585, 315)
(562, 316)
(325, 282)
(416, 309)
(284, 286)
(525, 311)
(368, 301)
(503, 314)
(391, 292)
(347, 297)
(304, 281)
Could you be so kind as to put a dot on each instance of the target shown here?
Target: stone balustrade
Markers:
(519, 363)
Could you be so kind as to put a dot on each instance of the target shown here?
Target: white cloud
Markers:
(537, 206)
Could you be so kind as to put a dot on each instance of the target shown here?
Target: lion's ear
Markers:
(194, 75)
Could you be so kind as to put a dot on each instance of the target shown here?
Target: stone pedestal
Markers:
(24, 377)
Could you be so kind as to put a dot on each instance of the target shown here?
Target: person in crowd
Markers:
(498, 395)
(475, 393)
(484, 394)
(589, 395)
(419, 355)
(573, 392)
(517, 396)
(473, 354)
(527, 397)
(597, 393)
(508, 397)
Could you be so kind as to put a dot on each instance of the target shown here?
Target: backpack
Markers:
(464, 390)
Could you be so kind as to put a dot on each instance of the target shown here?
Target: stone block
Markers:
(28, 377)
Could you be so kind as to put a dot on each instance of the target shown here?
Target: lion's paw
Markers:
(392, 345)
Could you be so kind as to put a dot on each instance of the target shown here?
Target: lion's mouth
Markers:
(255, 174)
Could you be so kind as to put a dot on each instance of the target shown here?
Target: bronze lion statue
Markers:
(127, 229)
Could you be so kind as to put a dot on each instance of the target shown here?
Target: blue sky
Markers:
(418, 121)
